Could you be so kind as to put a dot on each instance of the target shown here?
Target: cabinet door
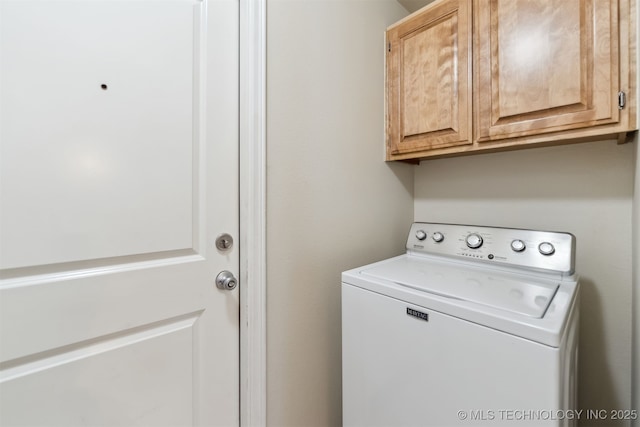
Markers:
(544, 66)
(429, 80)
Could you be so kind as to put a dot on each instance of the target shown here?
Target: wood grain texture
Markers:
(527, 50)
(545, 65)
(545, 72)
(428, 103)
(429, 79)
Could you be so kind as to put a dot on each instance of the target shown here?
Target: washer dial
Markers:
(518, 245)
(546, 248)
(437, 237)
(421, 235)
(474, 240)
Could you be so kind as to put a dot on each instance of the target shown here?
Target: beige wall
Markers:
(586, 189)
(635, 380)
(332, 203)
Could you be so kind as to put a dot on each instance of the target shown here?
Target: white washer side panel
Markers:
(399, 370)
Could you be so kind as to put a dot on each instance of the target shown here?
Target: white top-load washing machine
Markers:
(471, 326)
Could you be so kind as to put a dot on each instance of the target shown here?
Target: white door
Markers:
(119, 168)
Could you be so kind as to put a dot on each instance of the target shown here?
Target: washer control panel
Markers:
(542, 250)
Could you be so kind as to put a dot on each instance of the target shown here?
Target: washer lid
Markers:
(528, 296)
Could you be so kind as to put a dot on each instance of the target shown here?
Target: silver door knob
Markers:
(226, 281)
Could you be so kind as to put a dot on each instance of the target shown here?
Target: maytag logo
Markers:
(418, 314)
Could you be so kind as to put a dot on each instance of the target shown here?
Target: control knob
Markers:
(421, 235)
(474, 240)
(546, 248)
(437, 237)
(518, 245)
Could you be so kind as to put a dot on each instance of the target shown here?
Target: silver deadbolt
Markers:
(224, 242)
(226, 281)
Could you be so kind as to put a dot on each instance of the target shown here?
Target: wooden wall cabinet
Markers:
(429, 79)
(535, 72)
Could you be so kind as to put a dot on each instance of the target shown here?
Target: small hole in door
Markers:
(104, 86)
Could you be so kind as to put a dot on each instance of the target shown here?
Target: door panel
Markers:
(525, 54)
(128, 377)
(98, 116)
(545, 66)
(429, 79)
(118, 169)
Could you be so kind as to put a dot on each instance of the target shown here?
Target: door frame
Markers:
(252, 237)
